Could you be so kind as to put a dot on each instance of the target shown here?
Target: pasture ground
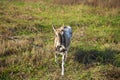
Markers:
(26, 41)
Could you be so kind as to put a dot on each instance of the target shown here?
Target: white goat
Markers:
(61, 43)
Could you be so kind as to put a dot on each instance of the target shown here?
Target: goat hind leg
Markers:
(65, 55)
(56, 57)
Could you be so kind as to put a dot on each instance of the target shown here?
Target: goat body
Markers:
(62, 41)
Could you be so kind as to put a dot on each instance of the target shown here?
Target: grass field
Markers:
(26, 41)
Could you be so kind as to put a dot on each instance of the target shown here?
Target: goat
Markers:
(61, 43)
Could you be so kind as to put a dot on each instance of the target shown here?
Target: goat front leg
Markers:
(63, 62)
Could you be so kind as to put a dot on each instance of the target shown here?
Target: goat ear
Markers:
(54, 29)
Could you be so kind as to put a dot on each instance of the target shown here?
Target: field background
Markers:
(26, 39)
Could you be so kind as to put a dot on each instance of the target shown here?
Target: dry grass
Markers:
(100, 3)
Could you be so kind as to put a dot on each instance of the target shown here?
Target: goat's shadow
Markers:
(92, 56)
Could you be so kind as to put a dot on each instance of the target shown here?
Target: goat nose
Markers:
(63, 50)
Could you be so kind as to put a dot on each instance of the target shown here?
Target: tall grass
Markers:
(100, 3)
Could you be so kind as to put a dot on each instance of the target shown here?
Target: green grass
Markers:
(26, 41)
